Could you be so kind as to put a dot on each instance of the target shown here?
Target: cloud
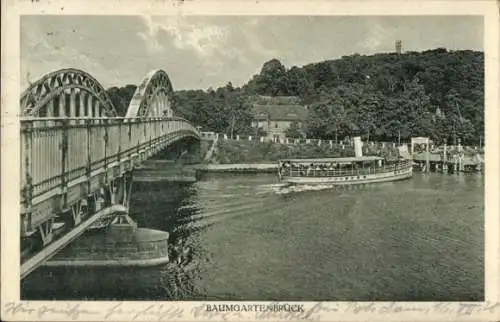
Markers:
(209, 47)
(376, 37)
(150, 36)
(203, 51)
(255, 44)
(205, 40)
(45, 52)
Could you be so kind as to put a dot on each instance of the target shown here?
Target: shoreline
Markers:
(243, 168)
(238, 168)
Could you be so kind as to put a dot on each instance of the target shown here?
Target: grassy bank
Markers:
(204, 147)
(232, 151)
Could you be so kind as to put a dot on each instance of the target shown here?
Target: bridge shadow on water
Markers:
(163, 206)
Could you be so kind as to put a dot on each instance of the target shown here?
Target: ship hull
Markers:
(352, 179)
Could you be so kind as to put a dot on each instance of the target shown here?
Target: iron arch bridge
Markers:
(77, 154)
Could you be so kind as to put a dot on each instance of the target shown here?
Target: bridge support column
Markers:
(49, 108)
(97, 200)
(127, 192)
(78, 211)
(46, 232)
(159, 107)
(120, 190)
(82, 107)
(111, 192)
(96, 110)
(62, 104)
(90, 107)
(72, 103)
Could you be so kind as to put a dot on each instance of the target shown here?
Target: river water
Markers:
(247, 238)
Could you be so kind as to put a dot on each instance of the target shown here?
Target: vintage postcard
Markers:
(284, 160)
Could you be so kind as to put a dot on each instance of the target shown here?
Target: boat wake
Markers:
(200, 216)
(295, 188)
(270, 188)
(287, 189)
(272, 185)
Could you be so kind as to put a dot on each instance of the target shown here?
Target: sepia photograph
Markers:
(244, 161)
(252, 158)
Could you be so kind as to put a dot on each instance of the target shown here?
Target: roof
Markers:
(275, 100)
(280, 112)
(336, 160)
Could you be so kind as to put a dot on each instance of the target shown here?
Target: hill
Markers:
(436, 93)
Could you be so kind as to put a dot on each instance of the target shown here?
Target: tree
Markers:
(260, 132)
(329, 119)
(121, 97)
(380, 97)
(293, 131)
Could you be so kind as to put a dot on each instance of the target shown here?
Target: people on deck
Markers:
(288, 168)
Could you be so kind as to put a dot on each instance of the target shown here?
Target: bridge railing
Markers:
(58, 151)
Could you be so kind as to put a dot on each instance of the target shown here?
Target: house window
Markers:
(276, 125)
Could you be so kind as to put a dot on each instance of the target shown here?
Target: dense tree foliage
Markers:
(436, 93)
(121, 97)
(294, 131)
(386, 96)
(225, 110)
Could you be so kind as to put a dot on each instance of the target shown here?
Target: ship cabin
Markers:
(337, 167)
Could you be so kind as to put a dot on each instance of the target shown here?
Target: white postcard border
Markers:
(13, 309)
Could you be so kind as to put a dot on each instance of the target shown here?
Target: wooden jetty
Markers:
(449, 160)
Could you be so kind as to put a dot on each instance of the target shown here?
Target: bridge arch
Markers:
(66, 93)
(78, 157)
(152, 96)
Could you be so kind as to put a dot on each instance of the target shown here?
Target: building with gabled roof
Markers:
(274, 115)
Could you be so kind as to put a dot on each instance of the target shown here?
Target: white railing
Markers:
(320, 142)
(291, 141)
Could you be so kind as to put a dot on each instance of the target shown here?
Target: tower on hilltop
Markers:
(399, 45)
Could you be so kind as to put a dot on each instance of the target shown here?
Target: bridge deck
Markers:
(63, 159)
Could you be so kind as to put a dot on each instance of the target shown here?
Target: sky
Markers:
(199, 52)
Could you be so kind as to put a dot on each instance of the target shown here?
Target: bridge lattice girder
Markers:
(151, 98)
(74, 148)
(83, 89)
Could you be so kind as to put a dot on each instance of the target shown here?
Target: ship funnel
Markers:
(358, 151)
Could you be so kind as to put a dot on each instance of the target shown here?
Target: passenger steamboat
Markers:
(344, 171)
